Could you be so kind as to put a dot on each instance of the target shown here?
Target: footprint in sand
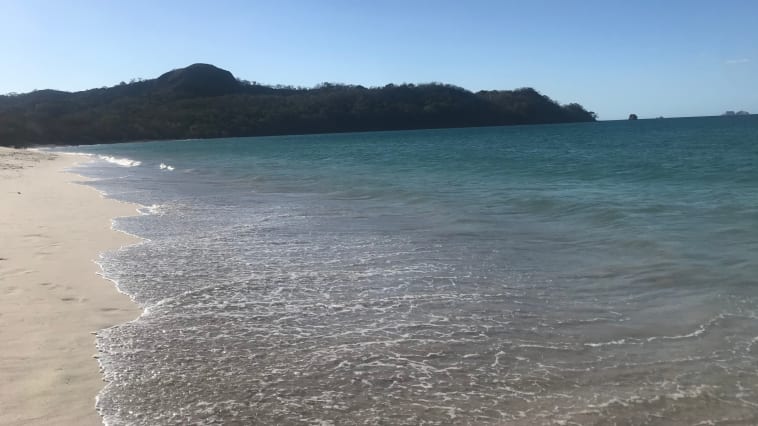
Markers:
(74, 299)
(10, 290)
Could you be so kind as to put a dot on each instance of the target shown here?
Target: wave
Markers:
(123, 162)
(165, 166)
(633, 341)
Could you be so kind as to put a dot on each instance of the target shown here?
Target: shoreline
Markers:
(52, 294)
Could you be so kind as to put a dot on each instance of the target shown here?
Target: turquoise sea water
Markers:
(595, 273)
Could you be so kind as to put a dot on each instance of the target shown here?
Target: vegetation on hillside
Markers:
(202, 101)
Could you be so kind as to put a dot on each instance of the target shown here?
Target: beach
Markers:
(51, 296)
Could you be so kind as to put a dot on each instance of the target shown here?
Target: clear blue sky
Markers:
(663, 57)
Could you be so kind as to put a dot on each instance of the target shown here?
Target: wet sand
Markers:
(51, 296)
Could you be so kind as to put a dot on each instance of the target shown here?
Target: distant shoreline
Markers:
(598, 122)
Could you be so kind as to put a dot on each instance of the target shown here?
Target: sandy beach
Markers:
(51, 296)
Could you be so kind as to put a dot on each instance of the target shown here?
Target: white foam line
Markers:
(695, 333)
(609, 343)
(77, 154)
(123, 162)
(700, 330)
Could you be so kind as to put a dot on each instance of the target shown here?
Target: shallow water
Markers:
(595, 273)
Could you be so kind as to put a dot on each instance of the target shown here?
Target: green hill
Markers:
(203, 101)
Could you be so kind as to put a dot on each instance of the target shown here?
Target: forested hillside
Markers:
(202, 101)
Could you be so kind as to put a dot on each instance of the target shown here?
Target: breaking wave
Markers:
(123, 162)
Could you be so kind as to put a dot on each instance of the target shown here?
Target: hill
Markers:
(203, 101)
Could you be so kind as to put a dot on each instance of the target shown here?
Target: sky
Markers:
(667, 58)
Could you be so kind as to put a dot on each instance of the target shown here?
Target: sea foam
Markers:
(123, 162)
(154, 209)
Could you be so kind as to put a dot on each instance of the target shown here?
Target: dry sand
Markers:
(51, 296)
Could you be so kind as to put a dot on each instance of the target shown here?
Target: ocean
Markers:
(592, 273)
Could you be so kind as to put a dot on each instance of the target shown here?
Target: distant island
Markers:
(203, 101)
(731, 113)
